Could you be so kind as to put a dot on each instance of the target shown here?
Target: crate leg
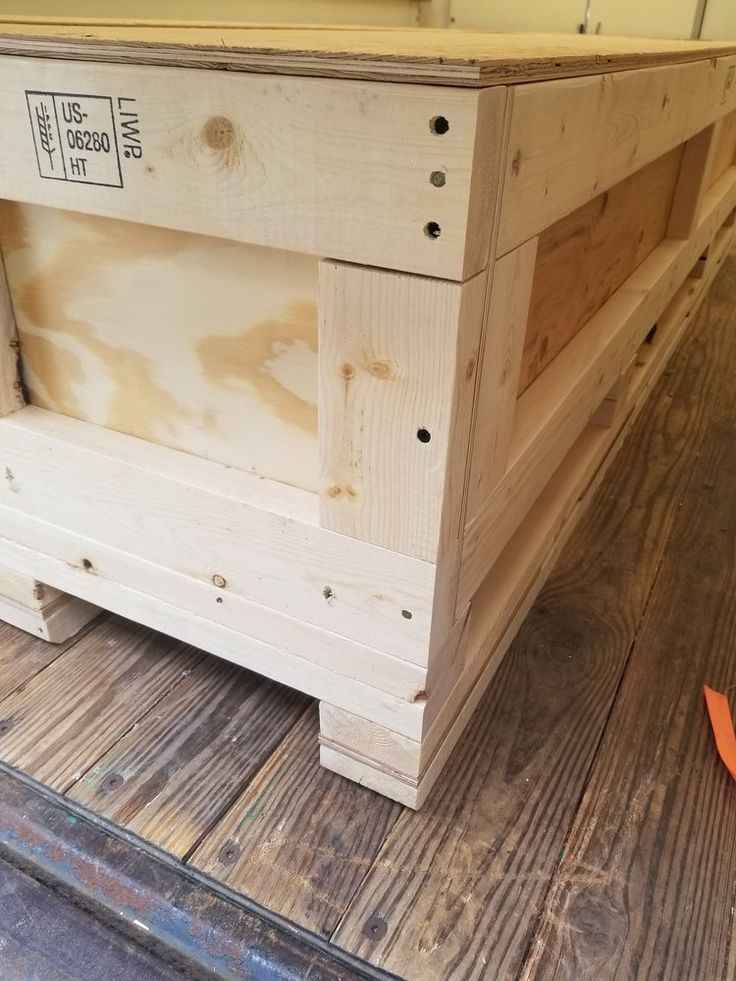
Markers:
(370, 755)
(41, 610)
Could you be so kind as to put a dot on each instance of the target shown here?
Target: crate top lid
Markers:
(445, 57)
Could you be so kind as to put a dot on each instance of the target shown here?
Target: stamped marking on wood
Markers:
(76, 136)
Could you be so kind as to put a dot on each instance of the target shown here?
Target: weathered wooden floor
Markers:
(583, 829)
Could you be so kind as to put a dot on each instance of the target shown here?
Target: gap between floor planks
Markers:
(331, 854)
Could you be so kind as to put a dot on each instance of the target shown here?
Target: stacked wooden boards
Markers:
(321, 371)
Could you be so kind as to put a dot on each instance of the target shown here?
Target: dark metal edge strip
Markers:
(156, 899)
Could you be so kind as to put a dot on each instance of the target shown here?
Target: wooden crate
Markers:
(322, 355)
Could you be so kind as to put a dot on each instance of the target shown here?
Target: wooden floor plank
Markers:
(458, 887)
(61, 722)
(178, 770)
(22, 656)
(646, 885)
(300, 839)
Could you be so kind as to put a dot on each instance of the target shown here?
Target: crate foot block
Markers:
(42, 610)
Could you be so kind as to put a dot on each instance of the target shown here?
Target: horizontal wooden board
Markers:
(209, 523)
(583, 258)
(328, 168)
(572, 140)
(202, 344)
(430, 55)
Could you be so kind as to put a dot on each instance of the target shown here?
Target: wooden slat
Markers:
(177, 771)
(195, 517)
(725, 153)
(583, 258)
(443, 56)
(398, 359)
(697, 165)
(308, 165)
(460, 884)
(305, 837)
(67, 716)
(11, 387)
(574, 139)
(652, 850)
(499, 374)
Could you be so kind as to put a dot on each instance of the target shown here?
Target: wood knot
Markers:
(380, 369)
(336, 490)
(470, 367)
(516, 163)
(347, 371)
(218, 133)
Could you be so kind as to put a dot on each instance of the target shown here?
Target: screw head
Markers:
(219, 581)
(112, 781)
(437, 178)
(375, 928)
(229, 853)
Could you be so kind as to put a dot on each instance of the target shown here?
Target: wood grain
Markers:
(311, 165)
(646, 883)
(193, 342)
(23, 656)
(398, 357)
(583, 258)
(186, 761)
(460, 884)
(305, 837)
(574, 139)
(69, 714)
(443, 56)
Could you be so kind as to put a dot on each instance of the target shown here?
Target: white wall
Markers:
(645, 18)
(720, 20)
(391, 13)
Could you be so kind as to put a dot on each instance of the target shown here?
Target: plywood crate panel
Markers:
(318, 373)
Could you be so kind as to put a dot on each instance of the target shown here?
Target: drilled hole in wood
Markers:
(329, 593)
(437, 178)
(439, 124)
(407, 614)
(432, 229)
(423, 435)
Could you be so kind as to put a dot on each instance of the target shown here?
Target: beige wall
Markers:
(720, 20)
(378, 12)
(646, 18)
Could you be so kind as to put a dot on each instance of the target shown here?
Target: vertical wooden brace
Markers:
(11, 388)
(397, 364)
(692, 183)
(499, 374)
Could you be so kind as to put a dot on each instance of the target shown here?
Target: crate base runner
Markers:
(351, 474)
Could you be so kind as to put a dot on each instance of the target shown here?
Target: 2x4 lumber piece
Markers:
(573, 139)
(554, 409)
(246, 540)
(697, 163)
(393, 176)
(513, 276)
(397, 365)
(41, 610)
(11, 387)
